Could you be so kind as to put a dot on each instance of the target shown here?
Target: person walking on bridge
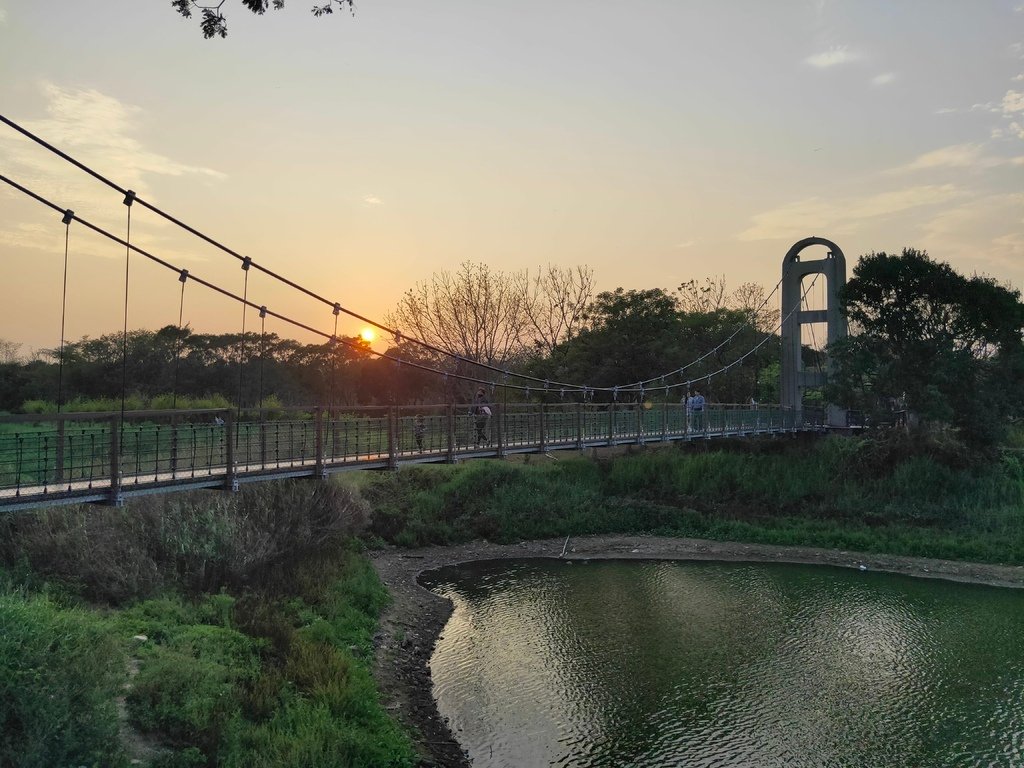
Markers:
(695, 408)
(482, 412)
(419, 431)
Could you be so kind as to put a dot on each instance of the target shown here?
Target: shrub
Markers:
(38, 406)
(200, 541)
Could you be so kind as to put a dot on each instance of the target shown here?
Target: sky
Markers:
(656, 141)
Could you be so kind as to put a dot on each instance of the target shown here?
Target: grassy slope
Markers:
(838, 493)
(258, 613)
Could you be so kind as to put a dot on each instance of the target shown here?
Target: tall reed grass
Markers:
(840, 492)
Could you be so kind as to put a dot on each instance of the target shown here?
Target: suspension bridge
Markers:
(66, 457)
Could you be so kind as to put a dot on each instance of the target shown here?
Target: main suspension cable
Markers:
(247, 261)
(224, 292)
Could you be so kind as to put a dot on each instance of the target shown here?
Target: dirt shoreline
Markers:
(410, 627)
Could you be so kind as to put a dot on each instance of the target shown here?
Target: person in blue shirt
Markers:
(695, 405)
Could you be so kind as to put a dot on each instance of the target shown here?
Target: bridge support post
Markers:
(263, 439)
(499, 430)
(318, 431)
(59, 469)
(230, 475)
(392, 439)
(580, 438)
(174, 446)
(450, 419)
(543, 428)
(664, 421)
(115, 499)
(611, 423)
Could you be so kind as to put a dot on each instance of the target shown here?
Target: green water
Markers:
(723, 664)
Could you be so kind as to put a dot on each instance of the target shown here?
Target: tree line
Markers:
(925, 341)
(549, 325)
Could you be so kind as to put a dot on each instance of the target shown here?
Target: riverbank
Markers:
(410, 627)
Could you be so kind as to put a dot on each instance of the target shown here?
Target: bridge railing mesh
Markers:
(99, 457)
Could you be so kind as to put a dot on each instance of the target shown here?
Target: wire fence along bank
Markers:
(104, 457)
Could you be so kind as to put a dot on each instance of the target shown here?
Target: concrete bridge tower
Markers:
(794, 378)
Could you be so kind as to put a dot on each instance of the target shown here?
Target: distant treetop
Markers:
(214, 24)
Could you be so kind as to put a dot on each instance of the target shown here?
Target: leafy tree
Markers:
(640, 335)
(948, 346)
(214, 24)
(179, 361)
(632, 336)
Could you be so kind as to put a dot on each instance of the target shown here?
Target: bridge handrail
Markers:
(23, 418)
(100, 456)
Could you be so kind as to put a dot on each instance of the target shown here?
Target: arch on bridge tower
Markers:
(794, 378)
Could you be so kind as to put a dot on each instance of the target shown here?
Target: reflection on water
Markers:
(722, 664)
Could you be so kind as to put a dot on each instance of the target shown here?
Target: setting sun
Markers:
(367, 335)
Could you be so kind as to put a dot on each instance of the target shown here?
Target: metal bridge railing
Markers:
(74, 457)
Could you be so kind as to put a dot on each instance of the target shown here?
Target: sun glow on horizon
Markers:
(368, 335)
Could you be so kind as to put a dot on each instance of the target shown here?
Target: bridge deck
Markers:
(75, 458)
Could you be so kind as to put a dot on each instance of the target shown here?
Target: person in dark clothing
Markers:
(419, 431)
(482, 412)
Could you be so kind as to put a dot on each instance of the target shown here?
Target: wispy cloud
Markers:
(1018, 78)
(100, 131)
(89, 119)
(954, 156)
(373, 200)
(883, 79)
(1012, 102)
(686, 244)
(994, 221)
(1014, 129)
(832, 57)
(805, 217)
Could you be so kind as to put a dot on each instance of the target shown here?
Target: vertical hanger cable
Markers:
(69, 216)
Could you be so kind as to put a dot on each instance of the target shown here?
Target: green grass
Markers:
(60, 670)
(277, 679)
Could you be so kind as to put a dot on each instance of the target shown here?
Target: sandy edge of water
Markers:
(414, 621)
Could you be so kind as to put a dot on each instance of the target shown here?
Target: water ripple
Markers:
(724, 664)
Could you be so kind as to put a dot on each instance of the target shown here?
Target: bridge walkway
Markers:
(73, 458)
